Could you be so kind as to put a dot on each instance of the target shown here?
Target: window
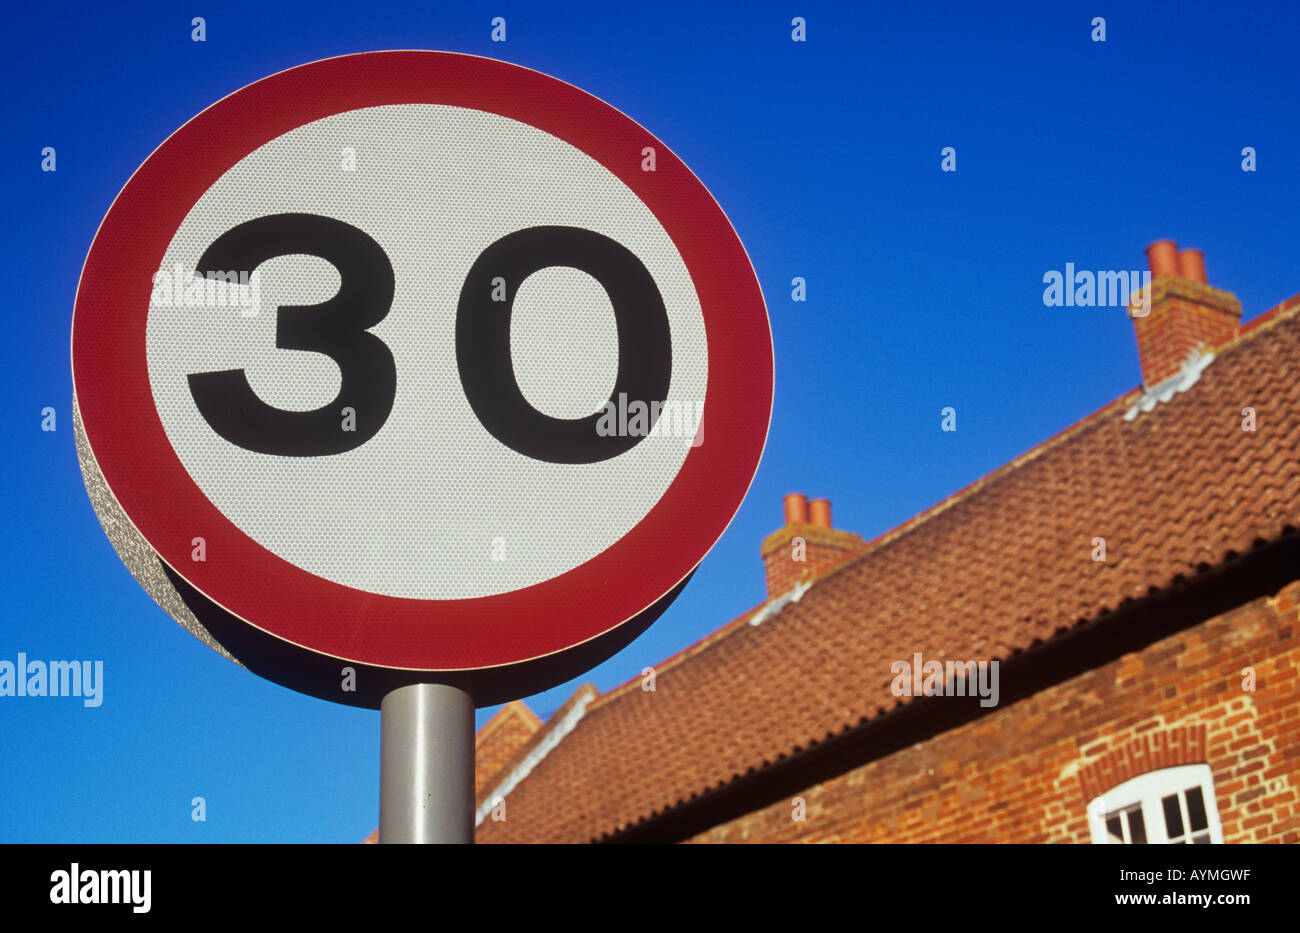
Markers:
(1172, 805)
(1126, 826)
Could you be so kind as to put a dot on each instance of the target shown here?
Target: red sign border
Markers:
(110, 376)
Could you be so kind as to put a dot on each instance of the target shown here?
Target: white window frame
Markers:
(1148, 790)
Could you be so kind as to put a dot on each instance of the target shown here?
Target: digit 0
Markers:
(483, 341)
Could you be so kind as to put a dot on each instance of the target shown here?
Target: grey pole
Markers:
(426, 767)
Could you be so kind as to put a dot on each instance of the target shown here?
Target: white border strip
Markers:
(544, 747)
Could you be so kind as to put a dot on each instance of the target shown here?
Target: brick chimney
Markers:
(807, 547)
(1186, 315)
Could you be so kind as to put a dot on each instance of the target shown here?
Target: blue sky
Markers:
(924, 291)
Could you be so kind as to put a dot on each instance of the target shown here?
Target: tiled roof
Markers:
(520, 764)
(992, 570)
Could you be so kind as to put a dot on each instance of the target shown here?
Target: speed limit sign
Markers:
(409, 367)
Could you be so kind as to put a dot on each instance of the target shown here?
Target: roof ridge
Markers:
(1267, 318)
(515, 708)
(586, 691)
(681, 655)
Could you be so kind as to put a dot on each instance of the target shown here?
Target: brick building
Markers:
(1136, 579)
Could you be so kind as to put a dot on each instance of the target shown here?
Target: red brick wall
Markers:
(1026, 772)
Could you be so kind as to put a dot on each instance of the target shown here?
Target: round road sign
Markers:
(412, 366)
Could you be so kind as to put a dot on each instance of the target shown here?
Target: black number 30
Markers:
(339, 329)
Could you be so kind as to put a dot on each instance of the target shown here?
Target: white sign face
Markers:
(423, 365)
(413, 511)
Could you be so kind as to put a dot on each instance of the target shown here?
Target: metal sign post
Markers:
(426, 765)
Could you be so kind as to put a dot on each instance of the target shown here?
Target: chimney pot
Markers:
(807, 547)
(1185, 314)
(1191, 265)
(1162, 256)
